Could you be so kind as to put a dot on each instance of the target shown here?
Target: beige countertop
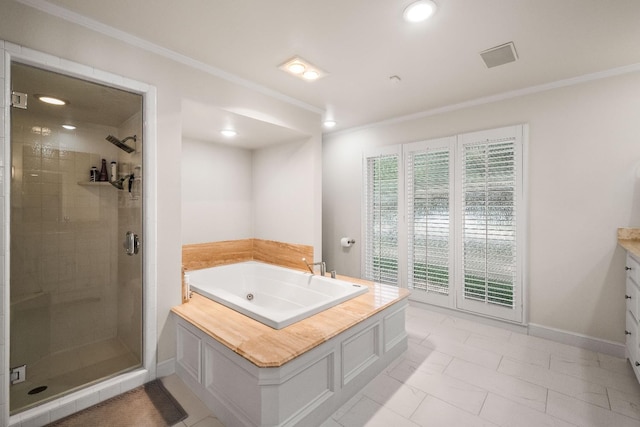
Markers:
(268, 347)
(629, 239)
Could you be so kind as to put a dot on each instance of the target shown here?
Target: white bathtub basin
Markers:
(272, 295)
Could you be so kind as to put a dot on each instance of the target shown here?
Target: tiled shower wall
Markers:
(64, 263)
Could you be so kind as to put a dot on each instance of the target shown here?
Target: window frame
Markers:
(455, 299)
(394, 150)
(410, 149)
(519, 134)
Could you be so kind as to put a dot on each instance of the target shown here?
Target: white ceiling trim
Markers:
(633, 68)
(125, 37)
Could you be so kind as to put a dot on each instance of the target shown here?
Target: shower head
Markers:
(119, 184)
(121, 144)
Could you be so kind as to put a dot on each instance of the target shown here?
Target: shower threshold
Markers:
(67, 371)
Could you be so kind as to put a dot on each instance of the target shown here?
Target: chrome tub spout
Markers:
(322, 264)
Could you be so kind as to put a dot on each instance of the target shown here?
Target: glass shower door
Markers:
(76, 258)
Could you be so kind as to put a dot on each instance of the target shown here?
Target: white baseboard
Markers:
(166, 368)
(566, 337)
(583, 341)
(513, 327)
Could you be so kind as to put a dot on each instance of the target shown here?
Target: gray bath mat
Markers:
(149, 405)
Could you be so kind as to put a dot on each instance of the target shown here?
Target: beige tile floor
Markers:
(462, 373)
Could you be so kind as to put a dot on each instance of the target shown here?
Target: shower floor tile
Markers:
(66, 371)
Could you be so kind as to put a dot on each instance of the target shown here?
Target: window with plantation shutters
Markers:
(382, 173)
(429, 190)
(446, 218)
(490, 195)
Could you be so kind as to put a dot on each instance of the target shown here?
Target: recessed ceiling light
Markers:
(419, 11)
(51, 100)
(311, 75)
(229, 133)
(329, 123)
(299, 67)
(296, 68)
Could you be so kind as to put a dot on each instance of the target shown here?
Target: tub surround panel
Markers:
(359, 352)
(250, 374)
(228, 384)
(283, 254)
(304, 391)
(189, 360)
(205, 255)
(394, 325)
(268, 347)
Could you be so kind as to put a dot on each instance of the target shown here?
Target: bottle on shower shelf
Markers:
(104, 175)
(114, 171)
(93, 174)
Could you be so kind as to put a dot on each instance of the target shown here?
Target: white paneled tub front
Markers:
(304, 391)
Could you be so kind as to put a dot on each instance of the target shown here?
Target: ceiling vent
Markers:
(499, 55)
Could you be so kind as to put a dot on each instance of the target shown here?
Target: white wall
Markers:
(233, 193)
(216, 192)
(285, 195)
(28, 27)
(584, 149)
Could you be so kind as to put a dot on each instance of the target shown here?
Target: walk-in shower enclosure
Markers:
(76, 293)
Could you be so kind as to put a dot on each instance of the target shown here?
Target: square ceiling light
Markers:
(302, 68)
(499, 55)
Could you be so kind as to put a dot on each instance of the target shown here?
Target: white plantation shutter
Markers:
(429, 188)
(447, 217)
(382, 179)
(490, 234)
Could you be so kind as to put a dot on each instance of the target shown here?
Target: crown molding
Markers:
(123, 36)
(613, 72)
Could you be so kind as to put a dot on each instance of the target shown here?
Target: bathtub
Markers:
(272, 295)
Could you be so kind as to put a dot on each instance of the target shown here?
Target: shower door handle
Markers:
(131, 243)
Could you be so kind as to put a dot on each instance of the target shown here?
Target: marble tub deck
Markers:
(267, 347)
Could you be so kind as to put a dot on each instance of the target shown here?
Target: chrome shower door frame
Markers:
(9, 53)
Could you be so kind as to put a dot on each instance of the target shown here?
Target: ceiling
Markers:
(203, 123)
(361, 43)
(87, 102)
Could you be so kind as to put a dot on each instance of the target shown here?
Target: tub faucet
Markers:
(322, 264)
